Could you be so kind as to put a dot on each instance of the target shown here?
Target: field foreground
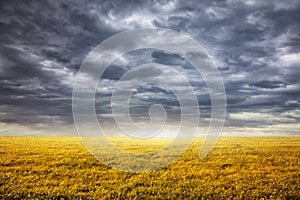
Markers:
(237, 168)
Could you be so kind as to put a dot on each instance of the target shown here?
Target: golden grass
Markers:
(237, 168)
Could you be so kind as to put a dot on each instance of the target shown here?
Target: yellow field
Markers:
(237, 168)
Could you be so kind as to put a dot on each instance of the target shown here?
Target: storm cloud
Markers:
(255, 45)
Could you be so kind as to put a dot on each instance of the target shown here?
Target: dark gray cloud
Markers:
(167, 58)
(268, 84)
(255, 45)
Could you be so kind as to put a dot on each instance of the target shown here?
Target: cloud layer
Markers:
(255, 45)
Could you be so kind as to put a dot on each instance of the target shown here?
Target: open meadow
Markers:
(237, 168)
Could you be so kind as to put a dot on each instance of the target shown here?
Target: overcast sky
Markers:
(255, 45)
